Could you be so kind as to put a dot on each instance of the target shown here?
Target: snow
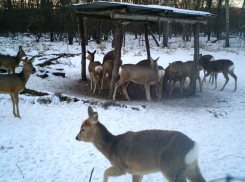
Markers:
(42, 144)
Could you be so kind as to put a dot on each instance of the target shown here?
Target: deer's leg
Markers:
(113, 171)
(226, 78)
(13, 101)
(118, 84)
(102, 79)
(8, 71)
(235, 78)
(207, 74)
(137, 178)
(148, 94)
(16, 98)
(91, 82)
(124, 90)
(204, 75)
(174, 175)
(216, 76)
(193, 173)
(182, 81)
(200, 83)
(172, 87)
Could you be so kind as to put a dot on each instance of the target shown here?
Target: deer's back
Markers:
(11, 82)
(92, 65)
(109, 56)
(138, 74)
(146, 150)
(7, 62)
(220, 65)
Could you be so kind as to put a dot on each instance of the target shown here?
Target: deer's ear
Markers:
(157, 59)
(25, 60)
(89, 52)
(151, 59)
(32, 60)
(20, 47)
(93, 116)
(94, 52)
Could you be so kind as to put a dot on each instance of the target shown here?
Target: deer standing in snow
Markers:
(137, 74)
(95, 70)
(11, 62)
(138, 153)
(224, 66)
(13, 84)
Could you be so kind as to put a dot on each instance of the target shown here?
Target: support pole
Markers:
(83, 47)
(147, 42)
(196, 60)
(117, 55)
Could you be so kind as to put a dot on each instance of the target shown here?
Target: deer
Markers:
(161, 73)
(137, 74)
(11, 62)
(95, 70)
(184, 71)
(172, 153)
(225, 66)
(13, 84)
(108, 56)
(204, 59)
(170, 71)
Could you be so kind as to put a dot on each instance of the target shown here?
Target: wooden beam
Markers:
(156, 18)
(196, 59)
(83, 47)
(117, 55)
(147, 42)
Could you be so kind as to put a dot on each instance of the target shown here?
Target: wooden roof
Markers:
(134, 12)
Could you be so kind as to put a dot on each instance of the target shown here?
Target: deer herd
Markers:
(148, 72)
(170, 152)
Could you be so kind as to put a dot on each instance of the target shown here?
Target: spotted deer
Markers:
(13, 84)
(95, 70)
(11, 62)
(138, 153)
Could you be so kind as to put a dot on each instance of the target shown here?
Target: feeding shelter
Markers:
(126, 12)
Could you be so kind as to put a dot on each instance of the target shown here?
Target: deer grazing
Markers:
(184, 70)
(204, 59)
(95, 70)
(161, 73)
(222, 65)
(11, 62)
(13, 84)
(138, 153)
(137, 74)
(170, 71)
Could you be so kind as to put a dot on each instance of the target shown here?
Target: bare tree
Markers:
(227, 23)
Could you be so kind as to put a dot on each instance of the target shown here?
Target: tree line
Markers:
(50, 16)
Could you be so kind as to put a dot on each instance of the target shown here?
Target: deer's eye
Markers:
(82, 130)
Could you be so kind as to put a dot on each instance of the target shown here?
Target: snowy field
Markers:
(41, 146)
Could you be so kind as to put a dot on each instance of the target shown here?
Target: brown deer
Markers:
(13, 84)
(95, 70)
(161, 73)
(11, 62)
(143, 152)
(137, 74)
(222, 65)
(170, 71)
(184, 71)
(109, 56)
(203, 60)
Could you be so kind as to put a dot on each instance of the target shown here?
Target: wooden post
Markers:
(147, 42)
(83, 46)
(196, 60)
(117, 55)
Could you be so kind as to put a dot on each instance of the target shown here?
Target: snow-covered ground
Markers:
(42, 144)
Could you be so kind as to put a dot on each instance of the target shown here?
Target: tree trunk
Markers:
(227, 44)
(165, 34)
(209, 20)
(218, 21)
(242, 15)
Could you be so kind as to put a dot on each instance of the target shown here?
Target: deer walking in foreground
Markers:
(161, 73)
(11, 62)
(143, 152)
(204, 59)
(222, 65)
(184, 70)
(137, 74)
(95, 70)
(13, 84)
